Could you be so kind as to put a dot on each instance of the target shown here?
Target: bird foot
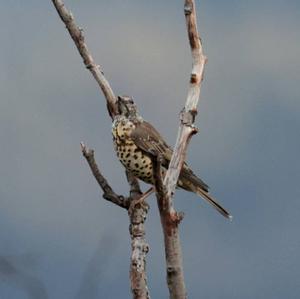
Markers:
(140, 200)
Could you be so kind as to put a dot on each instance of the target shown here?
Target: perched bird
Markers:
(137, 141)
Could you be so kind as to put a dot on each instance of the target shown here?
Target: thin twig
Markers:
(108, 192)
(79, 40)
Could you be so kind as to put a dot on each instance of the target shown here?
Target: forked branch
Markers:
(137, 212)
(135, 203)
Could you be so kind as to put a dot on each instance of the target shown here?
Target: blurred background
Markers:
(59, 238)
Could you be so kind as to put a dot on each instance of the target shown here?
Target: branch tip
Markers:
(77, 35)
(82, 146)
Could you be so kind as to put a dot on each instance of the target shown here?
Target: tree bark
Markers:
(139, 247)
(189, 112)
(170, 219)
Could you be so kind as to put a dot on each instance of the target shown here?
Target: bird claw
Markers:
(139, 201)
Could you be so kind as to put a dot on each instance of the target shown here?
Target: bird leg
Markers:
(139, 200)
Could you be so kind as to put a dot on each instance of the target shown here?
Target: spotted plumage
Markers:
(136, 141)
(132, 158)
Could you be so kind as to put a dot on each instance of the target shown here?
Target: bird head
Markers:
(127, 107)
(127, 119)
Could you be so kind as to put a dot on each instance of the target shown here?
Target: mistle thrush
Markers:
(136, 142)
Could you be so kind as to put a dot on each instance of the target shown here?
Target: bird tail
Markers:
(205, 195)
(190, 182)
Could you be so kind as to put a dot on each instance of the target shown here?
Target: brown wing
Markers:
(187, 175)
(148, 139)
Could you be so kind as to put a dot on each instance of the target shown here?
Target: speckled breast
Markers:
(134, 159)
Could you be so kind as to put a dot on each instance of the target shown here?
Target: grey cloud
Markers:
(246, 150)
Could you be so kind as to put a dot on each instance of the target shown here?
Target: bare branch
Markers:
(139, 248)
(135, 204)
(78, 38)
(170, 219)
(108, 192)
(187, 118)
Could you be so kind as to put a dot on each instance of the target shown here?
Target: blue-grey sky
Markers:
(58, 238)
